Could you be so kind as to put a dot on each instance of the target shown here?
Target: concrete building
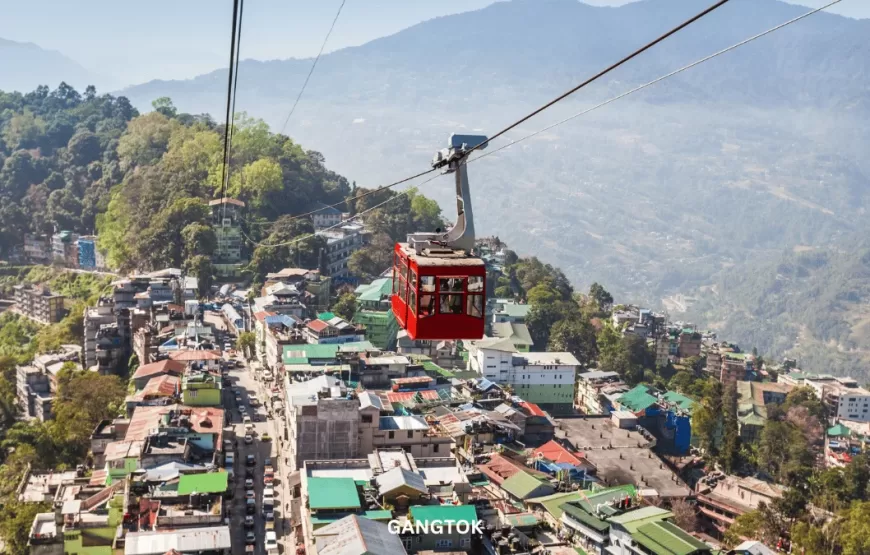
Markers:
(334, 331)
(844, 398)
(37, 249)
(590, 386)
(374, 312)
(340, 244)
(722, 498)
(546, 379)
(228, 256)
(39, 304)
(326, 216)
(89, 255)
(753, 398)
(508, 310)
(727, 364)
(64, 250)
(323, 424)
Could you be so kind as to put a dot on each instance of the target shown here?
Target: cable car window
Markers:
(427, 284)
(475, 284)
(452, 285)
(403, 289)
(412, 301)
(451, 304)
(427, 304)
(475, 306)
(413, 279)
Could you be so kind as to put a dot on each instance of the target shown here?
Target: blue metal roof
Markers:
(284, 319)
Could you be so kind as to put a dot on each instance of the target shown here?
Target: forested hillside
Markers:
(90, 163)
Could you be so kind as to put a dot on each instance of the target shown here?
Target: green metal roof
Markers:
(521, 484)
(332, 517)
(553, 503)
(665, 538)
(522, 519)
(637, 399)
(302, 354)
(839, 431)
(632, 520)
(432, 367)
(581, 515)
(209, 482)
(374, 291)
(332, 493)
(444, 513)
(326, 316)
(681, 401)
(516, 310)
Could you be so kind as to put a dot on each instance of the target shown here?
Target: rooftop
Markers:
(191, 355)
(208, 482)
(444, 513)
(516, 332)
(522, 484)
(538, 359)
(332, 493)
(553, 451)
(355, 535)
(203, 420)
(664, 538)
(185, 540)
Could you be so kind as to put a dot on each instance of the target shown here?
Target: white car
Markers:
(271, 541)
(269, 492)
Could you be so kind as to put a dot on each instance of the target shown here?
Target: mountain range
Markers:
(664, 196)
(26, 66)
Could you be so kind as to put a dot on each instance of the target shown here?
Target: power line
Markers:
(578, 114)
(313, 65)
(659, 79)
(233, 110)
(530, 115)
(230, 81)
(604, 72)
(366, 211)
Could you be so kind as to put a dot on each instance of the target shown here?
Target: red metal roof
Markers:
(261, 316)
(191, 355)
(554, 452)
(403, 396)
(159, 367)
(164, 386)
(500, 468)
(317, 325)
(203, 420)
(533, 409)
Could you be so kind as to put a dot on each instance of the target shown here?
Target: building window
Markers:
(410, 434)
(391, 435)
(444, 543)
(191, 392)
(367, 419)
(435, 448)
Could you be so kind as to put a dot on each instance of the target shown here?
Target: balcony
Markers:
(43, 530)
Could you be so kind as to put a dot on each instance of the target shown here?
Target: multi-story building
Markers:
(336, 330)
(228, 256)
(752, 402)
(340, 244)
(843, 397)
(590, 399)
(546, 379)
(374, 312)
(64, 249)
(39, 304)
(722, 498)
(326, 216)
(728, 365)
(88, 252)
(37, 249)
(36, 383)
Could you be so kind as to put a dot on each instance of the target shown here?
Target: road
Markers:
(244, 383)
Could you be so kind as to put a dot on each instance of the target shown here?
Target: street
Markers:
(243, 383)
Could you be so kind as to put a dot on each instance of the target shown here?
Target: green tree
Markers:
(345, 306)
(247, 343)
(146, 139)
(84, 147)
(15, 522)
(164, 106)
(23, 130)
(731, 435)
(81, 404)
(201, 267)
(370, 261)
(601, 296)
(576, 336)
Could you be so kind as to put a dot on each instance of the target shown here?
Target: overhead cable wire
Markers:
(603, 72)
(313, 65)
(528, 116)
(658, 79)
(228, 123)
(578, 114)
(340, 224)
(229, 155)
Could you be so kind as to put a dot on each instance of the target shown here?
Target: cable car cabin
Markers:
(440, 294)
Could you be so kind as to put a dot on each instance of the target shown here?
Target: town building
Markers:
(228, 256)
(722, 498)
(326, 216)
(375, 314)
(334, 331)
(340, 244)
(39, 304)
(37, 249)
(666, 415)
(590, 385)
(753, 399)
(509, 310)
(517, 333)
(843, 397)
(727, 364)
(36, 383)
(64, 250)
(90, 257)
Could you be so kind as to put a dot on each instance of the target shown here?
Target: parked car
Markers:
(251, 538)
(271, 541)
(248, 439)
(268, 461)
(249, 521)
(250, 506)
(249, 494)
(249, 483)
(266, 437)
(251, 460)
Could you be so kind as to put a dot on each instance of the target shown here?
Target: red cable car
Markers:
(439, 288)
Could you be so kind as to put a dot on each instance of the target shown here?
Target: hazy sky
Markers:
(131, 42)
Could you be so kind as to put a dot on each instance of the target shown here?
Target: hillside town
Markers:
(260, 421)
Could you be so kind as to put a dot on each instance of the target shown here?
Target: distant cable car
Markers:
(439, 288)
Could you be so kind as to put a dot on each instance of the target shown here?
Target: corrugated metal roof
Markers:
(444, 513)
(332, 493)
(399, 477)
(637, 399)
(403, 423)
(664, 538)
(209, 482)
(522, 484)
(356, 535)
(187, 540)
